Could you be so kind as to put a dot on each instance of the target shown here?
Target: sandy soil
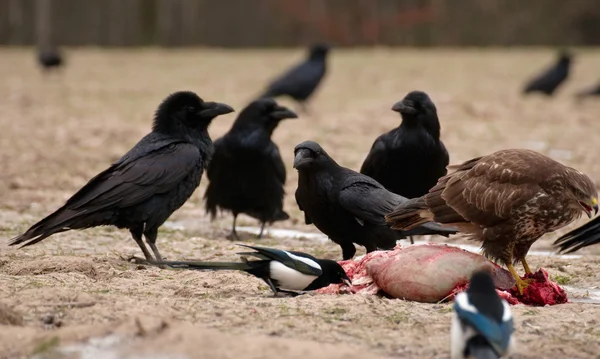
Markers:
(58, 131)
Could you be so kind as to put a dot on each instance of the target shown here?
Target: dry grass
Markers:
(58, 131)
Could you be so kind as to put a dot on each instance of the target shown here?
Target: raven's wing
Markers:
(580, 237)
(130, 181)
(299, 76)
(302, 262)
(375, 159)
(277, 162)
(307, 219)
(367, 200)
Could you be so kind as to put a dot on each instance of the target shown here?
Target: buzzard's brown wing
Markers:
(485, 190)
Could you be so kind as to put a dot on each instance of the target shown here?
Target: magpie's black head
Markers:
(482, 283)
(264, 112)
(319, 51)
(416, 108)
(333, 273)
(310, 155)
(183, 111)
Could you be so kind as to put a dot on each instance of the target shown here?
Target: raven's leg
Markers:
(233, 236)
(262, 228)
(348, 250)
(412, 241)
(151, 239)
(136, 233)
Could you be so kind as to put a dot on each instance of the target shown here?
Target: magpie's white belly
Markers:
(289, 278)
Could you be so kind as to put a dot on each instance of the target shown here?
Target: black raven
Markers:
(347, 206)
(301, 81)
(143, 188)
(50, 58)
(283, 271)
(246, 173)
(549, 80)
(580, 237)
(482, 324)
(411, 158)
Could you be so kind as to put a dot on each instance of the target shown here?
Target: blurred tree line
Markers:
(258, 23)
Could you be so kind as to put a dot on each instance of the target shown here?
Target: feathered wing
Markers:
(580, 237)
(302, 76)
(128, 182)
(219, 168)
(299, 263)
(375, 159)
(277, 162)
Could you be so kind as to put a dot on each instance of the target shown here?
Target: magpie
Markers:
(482, 323)
(284, 271)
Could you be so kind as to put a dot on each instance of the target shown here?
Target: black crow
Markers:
(592, 91)
(581, 237)
(246, 173)
(482, 323)
(283, 271)
(50, 58)
(143, 188)
(347, 206)
(301, 81)
(549, 80)
(411, 158)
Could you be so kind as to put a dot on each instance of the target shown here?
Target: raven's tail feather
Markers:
(581, 237)
(409, 215)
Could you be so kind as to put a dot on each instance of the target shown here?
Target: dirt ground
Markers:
(72, 296)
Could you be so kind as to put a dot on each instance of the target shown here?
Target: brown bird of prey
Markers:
(507, 200)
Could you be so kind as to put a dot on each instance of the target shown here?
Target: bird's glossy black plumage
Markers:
(50, 58)
(283, 271)
(409, 159)
(145, 186)
(347, 206)
(247, 174)
(580, 237)
(550, 79)
(302, 80)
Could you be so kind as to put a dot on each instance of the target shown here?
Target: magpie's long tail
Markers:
(205, 265)
(478, 348)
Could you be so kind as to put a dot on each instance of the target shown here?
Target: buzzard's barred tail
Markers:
(409, 215)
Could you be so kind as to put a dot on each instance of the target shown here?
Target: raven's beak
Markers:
(282, 113)
(347, 282)
(214, 109)
(302, 157)
(404, 106)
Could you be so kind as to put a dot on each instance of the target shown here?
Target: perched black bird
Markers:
(482, 323)
(347, 206)
(411, 158)
(283, 271)
(581, 237)
(589, 92)
(50, 58)
(143, 188)
(549, 80)
(246, 173)
(301, 81)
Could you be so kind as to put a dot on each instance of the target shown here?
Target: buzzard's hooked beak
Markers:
(588, 207)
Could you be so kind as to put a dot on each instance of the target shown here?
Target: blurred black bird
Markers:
(549, 80)
(347, 206)
(411, 158)
(50, 58)
(589, 92)
(283, 271)
(301, 80)
(246, 173)
(580, 237)
(482, 323)
(143, 188)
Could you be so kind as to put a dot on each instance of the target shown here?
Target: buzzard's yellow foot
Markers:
(526, 266)
(521, 284)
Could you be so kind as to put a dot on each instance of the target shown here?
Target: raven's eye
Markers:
(190, 109)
